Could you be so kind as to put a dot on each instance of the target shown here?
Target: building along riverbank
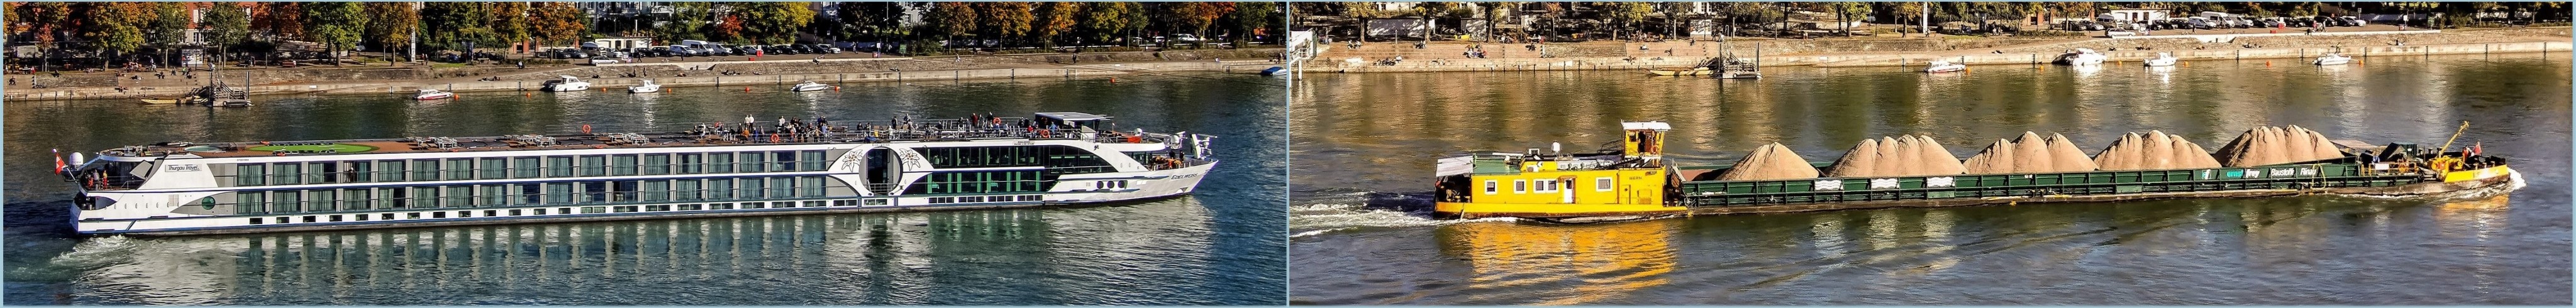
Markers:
(1452, 56)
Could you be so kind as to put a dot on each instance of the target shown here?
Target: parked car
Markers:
(823, 49)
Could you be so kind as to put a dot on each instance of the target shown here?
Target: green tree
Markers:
(1252, 18)
(557, 22)
(1107, 21)
(869, 19)
(279, 19)
(451, 25)
(336, 25)
(1624, 14)
(1195, 17)
(771, 22)
(1846, 12)
(689, 21)
(225, 24)
(116, 28)
(391, 24)
(951, 20)
(1054, 21)
(509, 23)
(167, 29)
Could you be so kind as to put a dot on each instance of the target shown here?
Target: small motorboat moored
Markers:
(647, 87)
(2162, 59)
(1274, 71)
(430, 94)
(2082, 56)
(809, 86)
(566, 83)
(1939, 66)
(156, 101)
(2333, 59)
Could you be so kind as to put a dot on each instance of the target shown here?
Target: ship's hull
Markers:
(2449, 183)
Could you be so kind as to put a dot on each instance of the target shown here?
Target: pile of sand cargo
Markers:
(2275, 145)
(2153, 151)
(2030, 154)
(1771, 162)
(1903, 155)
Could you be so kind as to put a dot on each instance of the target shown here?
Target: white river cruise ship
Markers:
(723, 169)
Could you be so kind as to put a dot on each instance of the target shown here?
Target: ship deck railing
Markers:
(703, 135)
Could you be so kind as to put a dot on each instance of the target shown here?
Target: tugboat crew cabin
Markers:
(719, 169)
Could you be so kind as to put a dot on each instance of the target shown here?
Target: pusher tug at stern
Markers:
(1635, 181)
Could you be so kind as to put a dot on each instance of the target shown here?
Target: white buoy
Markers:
(77, 161)
(1556, 147)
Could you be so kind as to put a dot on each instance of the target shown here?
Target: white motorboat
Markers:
(566, 83)
(1939, 66)
(647, 87)
(2082, 56)
(809, 86)
(2163, 59)
(2333, 59)
(430, 94)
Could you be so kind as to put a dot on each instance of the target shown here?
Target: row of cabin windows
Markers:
(544, 211)
(528, 167)
(979, 199)
(521, 194)
(1544, 185)
(975, 182)
(1058, 158)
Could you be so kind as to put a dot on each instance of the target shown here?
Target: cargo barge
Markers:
(1634, 181)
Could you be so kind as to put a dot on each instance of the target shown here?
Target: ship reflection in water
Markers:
(933, 257)
(1566, 265)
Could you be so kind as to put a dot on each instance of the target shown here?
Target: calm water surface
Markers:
(1365, 143)
(1219, 246)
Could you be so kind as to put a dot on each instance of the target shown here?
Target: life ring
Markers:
(599, 146)
(585, 128)
(1043, 133)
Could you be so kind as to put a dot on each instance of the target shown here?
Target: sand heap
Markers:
(2030, 154)
(2153, 151)
(1771, 162)
(1903, 155)
(2274, 145)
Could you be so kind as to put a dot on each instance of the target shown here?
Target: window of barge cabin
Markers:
(719, 189)
(286, 174)
(530, 167)
(692, 163)
(750, 188)
(657, 190)
(250, 174)
(594, 192)
(460, 169)
(686, 190)
(559, 193)
(622, 164)
(457, 196)
(720, 162)
(657, 164)
(389, 171)
(424, 170)
(558, 166)
(594, 165)
(324, 200)
(622, 191)
(753, 162)
(251, 202)
(494, 168)
(812, 160)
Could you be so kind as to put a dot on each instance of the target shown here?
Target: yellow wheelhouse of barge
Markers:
(1632, 181)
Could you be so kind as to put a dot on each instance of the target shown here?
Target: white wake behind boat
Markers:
(647, 87)
(430, 94)
(1939, 66)
(2333, 59)
(2163, 59)
(2082, 56)
(566, 83)
(809, 86)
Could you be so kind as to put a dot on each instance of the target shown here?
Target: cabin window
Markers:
(720, 206)
(782, 187)
(1520, 186)
(460, 168)
(357, 171)
(719, 189)
(356, 199)
(322, 172)
(626, 209)
(335, 218)
(308, 218)
(558, 193)
(809, 186)
(751, 189)
(685, 190)
(207, 202)
(691, 207)
(493, 195)
(691, 163)
(719, 162)
(359, 217)
(464, 214)
(753, 162)
(251, 202)
(594, 192)
(526, 168)
(813, 203)
(787, 161)
(622, 191)
(257, 220)
(622, 165)
(657, 208)
(390, 197)
(1600, 184)
(386, 216)
(411, 215)
(324, 200)
(1490, 187)
(657, 164)
(527, 194)
(515, 212)
(594, 165)
(813, 160)
(753, 205)
(424, 197)
(424, 170)
(437, 214)
(286, 202)
(457, 196)
(490, 213)
(389, 171)
(494, 168)
(558, 166)
(657, 191)
(286, 174)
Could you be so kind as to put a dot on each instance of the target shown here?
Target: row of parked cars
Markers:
(2208, 23)
(689, 51)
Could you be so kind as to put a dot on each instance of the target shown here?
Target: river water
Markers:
(1364, 147)
(1218, 246)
